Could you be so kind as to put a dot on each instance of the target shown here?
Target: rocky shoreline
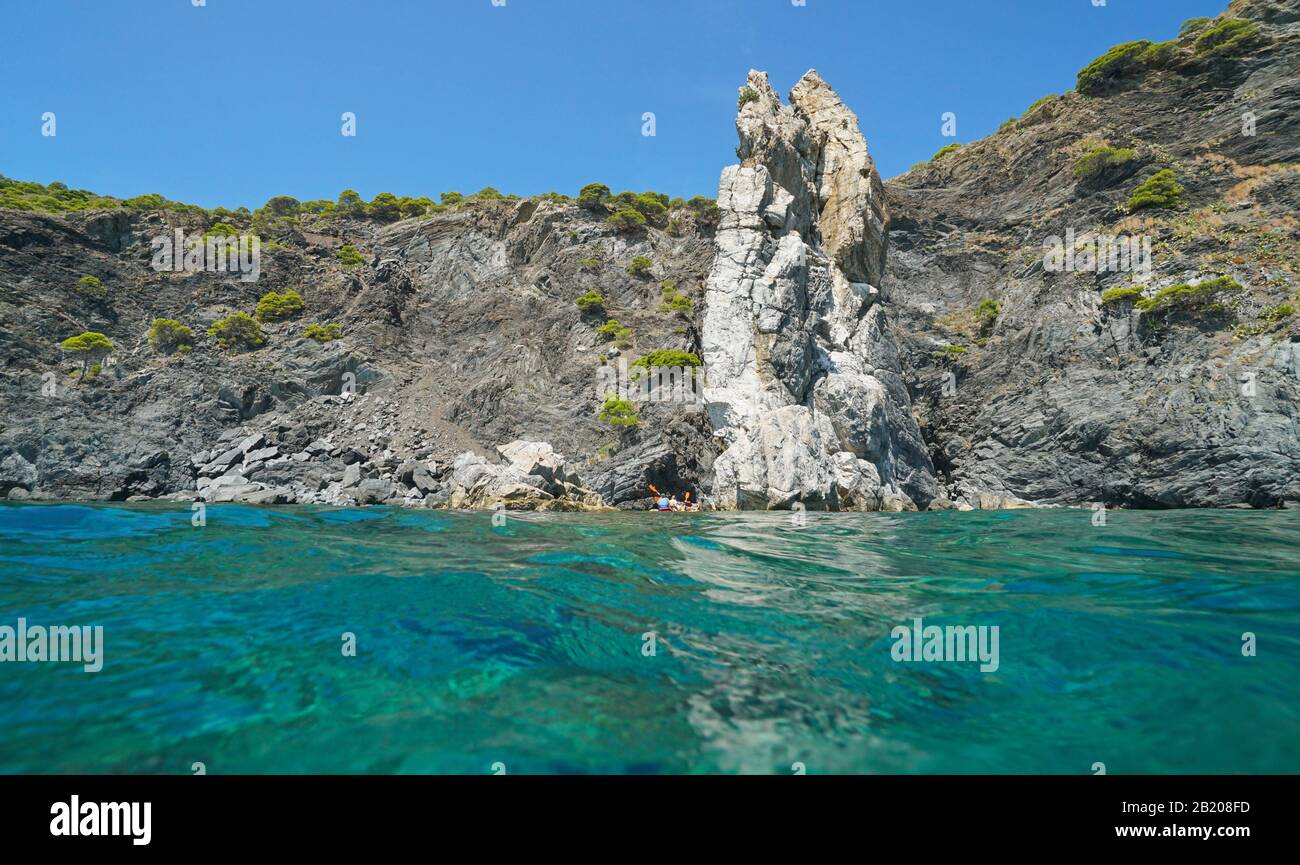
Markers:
(866, 344)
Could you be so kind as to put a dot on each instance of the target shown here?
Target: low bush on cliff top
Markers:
(55, 198)
(1228, 38)
(593, 196)
(639, 266)
(1039, 103)
(944, 151)
(1119, 62)
(626, 220)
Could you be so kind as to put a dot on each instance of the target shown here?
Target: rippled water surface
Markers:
(523, 644)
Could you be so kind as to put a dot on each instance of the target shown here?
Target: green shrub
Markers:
(1191, 25)
(281, 205)
(487, 193)
(954, 350)
(626, 219)
(1039, 104)
(450, 199)
(422, 206)
(678, 303)
(221, 229)
(986, 313)
(350, 203)
(148, 201)
(1160, 55)
(1119, 62)
(619, 334)
(747, 94)
(640, 266)
(1274, 314)
(667, 357)
(349, 256)
(1095, 162)
(590, 300)
(619, 412)
(90, 286)
(593, 196)
(1119, 295)
(323, 332)
(672, 301)
(277, 307)
(55, 198)
(385, 207)
(240, 330)
(1228, 38)
(944, 151)
(652, 205)
(589, 263)
(167, 335)
(1161, 191)
(88, 347)
(1211, 294)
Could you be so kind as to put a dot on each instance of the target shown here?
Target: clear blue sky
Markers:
(240, 100)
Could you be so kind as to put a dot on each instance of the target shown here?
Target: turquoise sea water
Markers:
(523, 644)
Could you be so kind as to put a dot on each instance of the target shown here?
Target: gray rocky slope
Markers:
(835, 315)
(1066, 399)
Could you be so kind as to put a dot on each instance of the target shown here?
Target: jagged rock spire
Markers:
(803, 377)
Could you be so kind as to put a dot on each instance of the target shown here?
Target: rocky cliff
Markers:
(804, 382)
(912, 343)
(1059, 395)
(460, 334)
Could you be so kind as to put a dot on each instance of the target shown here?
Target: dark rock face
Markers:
(1064, 399)
(461, 333)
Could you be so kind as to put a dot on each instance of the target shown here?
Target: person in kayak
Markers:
(663, 504)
